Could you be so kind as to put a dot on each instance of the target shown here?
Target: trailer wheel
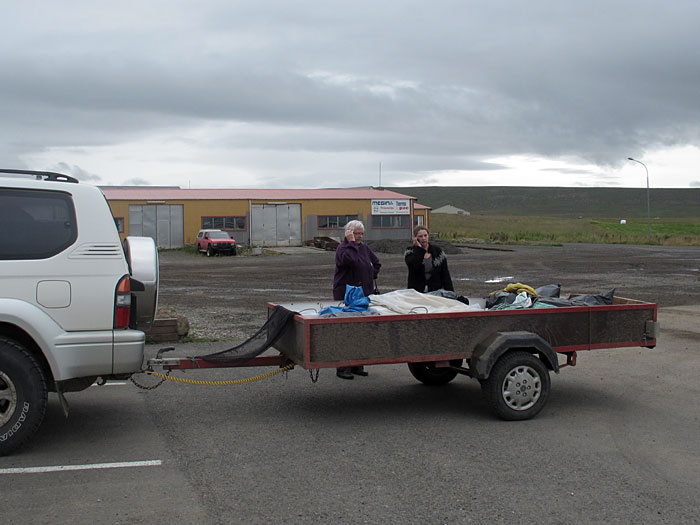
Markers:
(23, 396)
(427, 373)
(518, 386)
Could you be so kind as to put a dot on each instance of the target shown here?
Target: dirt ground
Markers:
(226, 297)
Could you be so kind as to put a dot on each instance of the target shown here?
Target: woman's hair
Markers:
(353, 225)
(419, 228)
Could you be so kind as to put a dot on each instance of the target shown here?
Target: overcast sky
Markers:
(303, 94)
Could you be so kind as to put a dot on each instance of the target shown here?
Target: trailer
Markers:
(510, 352)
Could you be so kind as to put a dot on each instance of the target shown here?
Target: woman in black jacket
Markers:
(427, 264)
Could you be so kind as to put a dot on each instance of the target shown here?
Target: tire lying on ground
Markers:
(23, 395)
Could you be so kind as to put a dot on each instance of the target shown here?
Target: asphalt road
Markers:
(617, 442)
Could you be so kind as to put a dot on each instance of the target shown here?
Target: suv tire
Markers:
(23, 395)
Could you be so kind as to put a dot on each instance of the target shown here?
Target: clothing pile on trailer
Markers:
(409, 301)
(517, 295)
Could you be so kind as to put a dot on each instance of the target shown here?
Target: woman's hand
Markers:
(350, 236)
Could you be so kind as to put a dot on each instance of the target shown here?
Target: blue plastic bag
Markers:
(355, 301)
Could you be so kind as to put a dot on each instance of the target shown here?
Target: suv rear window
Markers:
(35, 224)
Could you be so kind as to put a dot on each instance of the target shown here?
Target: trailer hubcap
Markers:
(522, 388)
(8, 398)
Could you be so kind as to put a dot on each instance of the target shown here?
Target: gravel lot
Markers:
(226, 297)
(616, 443)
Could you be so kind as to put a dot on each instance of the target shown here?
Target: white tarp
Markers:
(410, 301)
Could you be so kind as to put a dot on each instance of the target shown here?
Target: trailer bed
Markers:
(317, 342)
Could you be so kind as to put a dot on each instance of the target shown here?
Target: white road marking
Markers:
(94, 466)
(109, 384)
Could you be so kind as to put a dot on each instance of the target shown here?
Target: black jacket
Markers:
(440, 277)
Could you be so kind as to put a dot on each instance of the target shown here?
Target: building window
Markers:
(119, 221)
(391, 221)
(334, 222)
(223, 223)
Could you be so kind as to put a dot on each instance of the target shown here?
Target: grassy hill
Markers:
(561, 202)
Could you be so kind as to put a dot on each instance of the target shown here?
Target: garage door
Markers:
(162, 222)
(275, 225)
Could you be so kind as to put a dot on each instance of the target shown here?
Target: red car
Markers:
(214, 242)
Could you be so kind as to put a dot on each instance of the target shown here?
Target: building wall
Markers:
(421, 213)
(311, 209)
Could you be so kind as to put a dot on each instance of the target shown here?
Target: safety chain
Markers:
(153, 387)
(215, 383)
(311, 373)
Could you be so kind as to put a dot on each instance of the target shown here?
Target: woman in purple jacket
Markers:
(356, 265)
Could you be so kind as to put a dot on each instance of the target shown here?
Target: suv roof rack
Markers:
(46, 175)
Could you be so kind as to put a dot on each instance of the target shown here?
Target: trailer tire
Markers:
(428, 374)
(517, 387)
(23, 395)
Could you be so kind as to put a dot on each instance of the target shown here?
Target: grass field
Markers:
(498, 229)
(562, 202)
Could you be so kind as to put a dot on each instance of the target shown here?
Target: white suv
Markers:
(74, 301)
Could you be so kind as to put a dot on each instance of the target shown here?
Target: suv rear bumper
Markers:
(80, 354)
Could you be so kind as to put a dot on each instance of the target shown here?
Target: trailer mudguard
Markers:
(488, 351)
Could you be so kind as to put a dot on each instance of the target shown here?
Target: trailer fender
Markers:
(488, 351)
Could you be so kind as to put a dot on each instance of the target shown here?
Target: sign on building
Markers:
(391, 207)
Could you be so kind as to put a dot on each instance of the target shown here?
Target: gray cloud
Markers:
(426, 86)
(76, 172)
(136, 181)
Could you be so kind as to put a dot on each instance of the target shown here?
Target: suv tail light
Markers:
(122, 303)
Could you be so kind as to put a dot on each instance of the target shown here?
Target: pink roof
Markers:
(148, 193)
(417, 206)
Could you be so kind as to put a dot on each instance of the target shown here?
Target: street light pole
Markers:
(648, 205)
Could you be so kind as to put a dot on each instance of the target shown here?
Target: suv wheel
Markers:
(210, 252)
(23, 395)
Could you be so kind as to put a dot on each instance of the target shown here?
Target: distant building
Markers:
(261, 217)
(451, 210)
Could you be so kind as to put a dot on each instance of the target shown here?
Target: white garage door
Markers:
(162, 222)
(275, 225)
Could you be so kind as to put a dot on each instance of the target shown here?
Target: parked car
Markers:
(214, 242)
(74, 301)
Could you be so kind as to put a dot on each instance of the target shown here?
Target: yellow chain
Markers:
(219, 383)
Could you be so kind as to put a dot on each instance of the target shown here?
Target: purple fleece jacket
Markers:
(355, 264)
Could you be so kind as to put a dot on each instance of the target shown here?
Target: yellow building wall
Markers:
(194, 210)
(192, 213)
